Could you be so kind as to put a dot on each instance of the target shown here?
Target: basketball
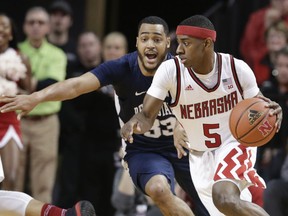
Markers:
(250, 122)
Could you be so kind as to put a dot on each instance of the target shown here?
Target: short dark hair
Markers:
(61, 5)
(154, 20)
(198, 21)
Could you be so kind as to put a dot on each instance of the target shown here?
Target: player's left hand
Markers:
(180, 141)
(276, 110)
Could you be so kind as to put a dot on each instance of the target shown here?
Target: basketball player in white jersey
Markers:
(204, 86)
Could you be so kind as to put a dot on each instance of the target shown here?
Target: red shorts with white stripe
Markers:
(9, 129)
(230, 162)
(238, 164)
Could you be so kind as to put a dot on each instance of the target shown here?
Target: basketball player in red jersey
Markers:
(204, 86)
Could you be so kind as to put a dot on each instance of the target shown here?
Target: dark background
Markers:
(228, 16)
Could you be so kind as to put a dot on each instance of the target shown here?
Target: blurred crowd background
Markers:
(84, 157)
(103, 16)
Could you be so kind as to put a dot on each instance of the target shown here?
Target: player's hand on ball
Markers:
(277, 110)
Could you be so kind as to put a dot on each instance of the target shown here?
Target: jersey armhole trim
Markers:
(233, 68)
(178, 84)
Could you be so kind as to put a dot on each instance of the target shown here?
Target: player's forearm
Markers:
(59, 91)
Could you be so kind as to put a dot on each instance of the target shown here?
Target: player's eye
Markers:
(157, 40)
(185, 43)
(144, 39)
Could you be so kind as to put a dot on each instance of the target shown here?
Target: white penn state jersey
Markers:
(202, 103)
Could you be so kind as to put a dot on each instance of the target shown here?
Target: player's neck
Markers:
(206, 65)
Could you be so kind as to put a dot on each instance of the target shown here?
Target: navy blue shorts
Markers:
(144, 165)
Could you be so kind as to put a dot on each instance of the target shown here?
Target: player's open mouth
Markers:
(151, 56)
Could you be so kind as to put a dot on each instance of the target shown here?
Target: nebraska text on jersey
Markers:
(209, 107)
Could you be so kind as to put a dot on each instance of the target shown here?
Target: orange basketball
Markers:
(250, 122)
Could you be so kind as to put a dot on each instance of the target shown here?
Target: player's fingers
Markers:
(126, 132)
(279, 121)
(180, 146)
(276, 110)
(273, 105)
(123, 132)
(6, 99)
(179, 154)
(180, 139)
(264, 98)
(8, 107)
(6, 96)
(180, 151)
(21, 114)
(128, 138)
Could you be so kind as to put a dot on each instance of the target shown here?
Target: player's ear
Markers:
(208, 42)
(137, 41)
(168, 42)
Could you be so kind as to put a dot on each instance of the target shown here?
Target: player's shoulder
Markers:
(122, 64)
(170, 63)
(171, 59)
(227, 57)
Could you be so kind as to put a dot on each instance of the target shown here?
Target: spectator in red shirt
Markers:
(276, 37)
(252, 44)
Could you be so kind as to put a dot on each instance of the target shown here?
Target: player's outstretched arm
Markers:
(59, 91)
(143, 121)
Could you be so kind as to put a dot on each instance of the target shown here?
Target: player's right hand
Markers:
(128, 129)
(23, 103)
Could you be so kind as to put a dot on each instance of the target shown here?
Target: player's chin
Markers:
(151, 66)
(187, 64)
